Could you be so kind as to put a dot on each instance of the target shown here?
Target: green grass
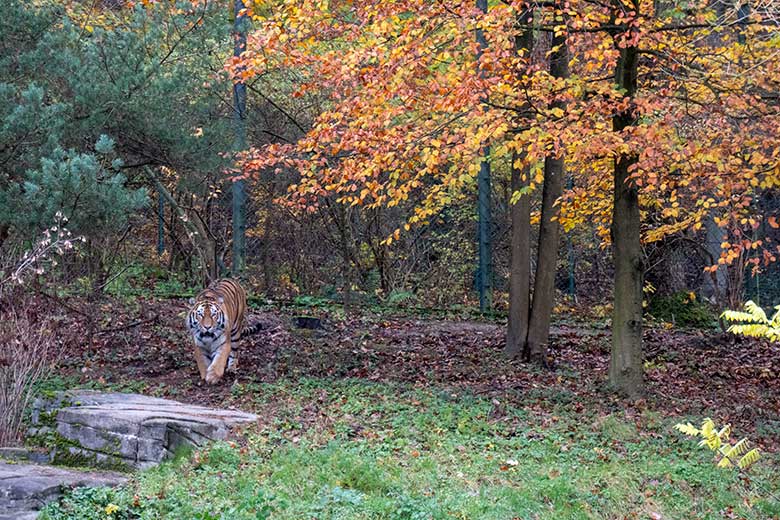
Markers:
(354, 450)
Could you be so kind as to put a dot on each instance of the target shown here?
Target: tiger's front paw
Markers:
(212, 377)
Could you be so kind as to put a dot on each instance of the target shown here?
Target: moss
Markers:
(617, 428)
(65, 452)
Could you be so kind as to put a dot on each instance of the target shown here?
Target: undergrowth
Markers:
(683, 309)
(348, 449)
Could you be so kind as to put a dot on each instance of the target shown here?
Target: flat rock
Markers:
(128, 430)
(25, 488)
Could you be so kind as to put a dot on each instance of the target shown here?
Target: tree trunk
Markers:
(265, 247)
(547, 253)
(239, 122)
(520, 237)
(572, 260)
(200, 237)
(714, 286)
(345, 232)
(625, 368)
(160, 224)
(520, 264)
(5, 230)
(484, 279)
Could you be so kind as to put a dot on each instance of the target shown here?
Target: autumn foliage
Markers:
(404, 114)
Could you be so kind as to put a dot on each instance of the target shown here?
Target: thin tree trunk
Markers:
(265, 248)
(572, 259)
(520, 237)
(625, 368)
(484, 280)
(547, 252)
(239, 122)
(202, 241)
(160, 224)
(345, 232)
(5, 230)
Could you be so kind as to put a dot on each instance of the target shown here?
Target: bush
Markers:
(27, 341)
(754, 322)
(28, 348)
(683, 309)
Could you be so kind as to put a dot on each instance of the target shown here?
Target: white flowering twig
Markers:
(56, 240)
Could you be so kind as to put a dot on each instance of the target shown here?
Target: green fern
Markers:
(738, 454)
(748, 459)
(754, 323)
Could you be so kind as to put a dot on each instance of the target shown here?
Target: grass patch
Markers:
(348, 449)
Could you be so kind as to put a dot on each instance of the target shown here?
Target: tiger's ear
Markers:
(221, 300)
(191, 301)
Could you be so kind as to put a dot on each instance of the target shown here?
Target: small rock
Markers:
(307, 322)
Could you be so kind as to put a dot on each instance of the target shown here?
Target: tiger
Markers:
(217, 320)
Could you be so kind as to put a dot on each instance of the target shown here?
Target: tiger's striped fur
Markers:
(217, 320)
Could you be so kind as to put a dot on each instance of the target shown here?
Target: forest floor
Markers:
(392, 416)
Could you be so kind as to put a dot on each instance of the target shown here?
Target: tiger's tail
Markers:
(254, 328)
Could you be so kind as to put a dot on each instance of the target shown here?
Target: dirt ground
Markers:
(143, 346)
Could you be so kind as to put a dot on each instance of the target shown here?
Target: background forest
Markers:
(543, 208)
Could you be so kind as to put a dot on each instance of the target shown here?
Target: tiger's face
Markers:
(207, 321)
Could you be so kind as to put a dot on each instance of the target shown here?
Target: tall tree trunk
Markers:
(239, 122)
(547, 252)
(484, 279)
(572, 260)
(520, 237)
(625, 368)
(520, 264)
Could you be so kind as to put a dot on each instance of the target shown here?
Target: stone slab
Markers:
(131, 430)
(25, 488)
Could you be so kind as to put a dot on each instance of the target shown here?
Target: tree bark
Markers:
(160, 224)
(520, 237)
(5, 230)
(239, 123)
(520, 264)
(625, 368)
(347, 241)
(547, 252)
(484, 279)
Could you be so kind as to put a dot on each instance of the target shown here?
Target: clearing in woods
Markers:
(381, 416)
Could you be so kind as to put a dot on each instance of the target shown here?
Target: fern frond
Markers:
(749, 459)
(775, 321)
(739, 449)
(717, 440)
(712, 441)
(736, 316)
(754, 322)
(724, 463)
(756, 311)
(751, 330)
(687, 429)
